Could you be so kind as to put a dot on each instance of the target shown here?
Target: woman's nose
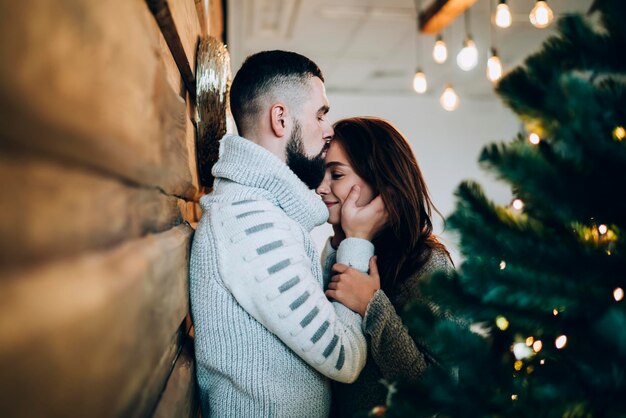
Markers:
(323, 188)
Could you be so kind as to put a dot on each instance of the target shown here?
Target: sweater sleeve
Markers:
(263, 263)
(392, 348)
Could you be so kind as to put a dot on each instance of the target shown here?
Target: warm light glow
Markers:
(449, 99)
(555, 312)
(537, 346)
(529, 341)
(534, 138)
(419, 82)
(518, 365)
(541, 15)
(518, 204)
(503, 15)
(619, 133)
(542, 361)
(468, 56)
(618, 294)
(514, 397)
(440, 51)
(530, 369)
(494, 67)
(502, 265)
(521, 351)
(602, 229)
(560, 341)
(502, 323)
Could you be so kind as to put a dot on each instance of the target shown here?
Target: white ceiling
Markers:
(369, 46)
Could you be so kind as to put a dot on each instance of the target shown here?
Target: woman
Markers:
(371, 154)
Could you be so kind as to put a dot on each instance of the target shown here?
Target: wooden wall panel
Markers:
(84, 81)
(180, 397)
(96, 335)
(52, 210)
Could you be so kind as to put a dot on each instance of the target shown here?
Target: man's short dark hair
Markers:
(268, 75)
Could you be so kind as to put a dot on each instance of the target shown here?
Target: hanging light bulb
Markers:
(541, 15)
(419, 82)
(503, 15)
(449, 99)
(468, 56)
(494, 66)
(440, 51)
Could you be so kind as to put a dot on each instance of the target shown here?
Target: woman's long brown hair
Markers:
(382, 157)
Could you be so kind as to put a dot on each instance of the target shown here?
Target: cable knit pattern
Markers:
(392, 352)
(266, 337)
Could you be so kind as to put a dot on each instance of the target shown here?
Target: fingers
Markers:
(331, 294)
(340, 268)
(353, 196)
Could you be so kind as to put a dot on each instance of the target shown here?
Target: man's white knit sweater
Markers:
(266, 337)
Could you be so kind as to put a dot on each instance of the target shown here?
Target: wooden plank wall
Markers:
(98, 200)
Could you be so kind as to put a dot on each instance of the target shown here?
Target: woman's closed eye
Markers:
(335, 175)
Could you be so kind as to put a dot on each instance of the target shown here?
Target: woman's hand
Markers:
(363, 221)
(353, 288)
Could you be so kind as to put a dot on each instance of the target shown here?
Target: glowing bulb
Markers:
(537, 346)
(440, 51)
(503, 15)
(502, 265)
(521, 351)
(618, 294)
(518, 365)
(602, 229)
(502, 323)
(560, 341)
(449, 99)
(542, 361)
(514, 397)
(419, 82)
(534, 138)
(619, 133)
(529, 341)
(518, 204)
(541, 15)
(468, 56)
(494, 67)
(555, 312)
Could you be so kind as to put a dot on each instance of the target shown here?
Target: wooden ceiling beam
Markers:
(441, 13)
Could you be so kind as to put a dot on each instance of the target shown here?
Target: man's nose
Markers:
(328, 131)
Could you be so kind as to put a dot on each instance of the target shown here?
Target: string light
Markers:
(449, 99)
(502, 323)
(518, 365)
(541, 15)
(560, 341)
(537, 346)
(542, 362)
(518, 204)
(529, 341)
(494, 66)
(533, 138)
(440, 50)
(467, 58)
(503, 15)
(555, 312)
(502, 265)
(619, 133)
(521, 351)
(420, 85)
(514, 397)
(618, 294)
(602, 229)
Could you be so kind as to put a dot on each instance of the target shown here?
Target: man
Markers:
(266, 337)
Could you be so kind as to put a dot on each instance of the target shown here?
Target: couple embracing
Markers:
(274, 325)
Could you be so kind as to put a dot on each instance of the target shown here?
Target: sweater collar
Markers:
(246, 163)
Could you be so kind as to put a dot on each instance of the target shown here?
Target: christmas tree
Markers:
(533, 324)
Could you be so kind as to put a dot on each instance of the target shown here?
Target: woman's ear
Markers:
(278, 115)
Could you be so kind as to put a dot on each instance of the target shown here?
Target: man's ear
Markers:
(278, 116)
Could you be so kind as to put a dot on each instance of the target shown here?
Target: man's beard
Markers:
(308, 169)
